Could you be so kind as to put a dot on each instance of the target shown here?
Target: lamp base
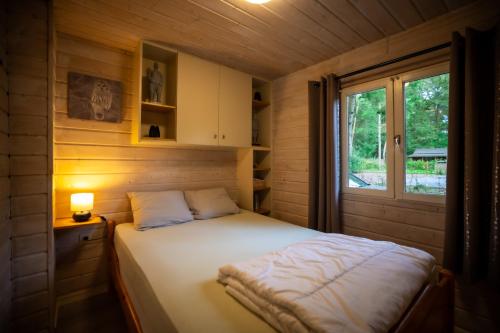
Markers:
(81, 216)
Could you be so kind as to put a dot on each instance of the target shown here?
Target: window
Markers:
(395, 135)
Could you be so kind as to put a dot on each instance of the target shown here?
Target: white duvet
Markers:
(331, 283)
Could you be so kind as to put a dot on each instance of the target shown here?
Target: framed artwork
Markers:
(94, 98)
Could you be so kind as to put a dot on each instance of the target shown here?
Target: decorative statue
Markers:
(155, 84)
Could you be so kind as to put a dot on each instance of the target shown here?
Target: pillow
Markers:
(209, 203)
(156, 209)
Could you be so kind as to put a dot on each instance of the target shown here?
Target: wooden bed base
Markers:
(431, 311)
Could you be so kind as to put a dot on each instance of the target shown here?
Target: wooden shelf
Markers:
(259, 104)
(260, 189)
(262, 169)
(156, 107)
(263, 211)
(147, 138)
(261, 148)
(69, 223)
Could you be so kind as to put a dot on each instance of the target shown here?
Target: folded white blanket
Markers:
(331, 283)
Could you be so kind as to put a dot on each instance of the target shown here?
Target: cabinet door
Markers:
(197, 101)
(235, 108)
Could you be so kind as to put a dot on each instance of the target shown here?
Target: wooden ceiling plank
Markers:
(353, 18)
(430, 8)
(260, 29)
(259, 46)
(277, 22)
(404, 11)
(90, 32)
(378, 15)
(268, 40)
(314, 42)
(316, 11)
(289, 13)
(454, 4)
(145, 27)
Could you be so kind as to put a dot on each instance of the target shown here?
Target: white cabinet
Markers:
(235, 108)
(197, 101)
(213, 104)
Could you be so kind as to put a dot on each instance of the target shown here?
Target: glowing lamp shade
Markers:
(81, 205)
(258, 2)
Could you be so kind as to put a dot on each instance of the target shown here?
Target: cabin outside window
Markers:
(395, 135)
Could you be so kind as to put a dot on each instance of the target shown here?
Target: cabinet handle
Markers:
(223, 136)
(215, 136)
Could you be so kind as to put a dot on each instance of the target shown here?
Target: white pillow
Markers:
(209, 203)
(156, 209)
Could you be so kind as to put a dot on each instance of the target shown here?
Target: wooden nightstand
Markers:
(81, 259)
(68, 223)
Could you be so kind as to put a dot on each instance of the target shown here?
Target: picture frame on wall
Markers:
(94, 98)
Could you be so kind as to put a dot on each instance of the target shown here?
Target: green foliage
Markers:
(426, 114)
(367, 106)
(359, 164)
(423, 167)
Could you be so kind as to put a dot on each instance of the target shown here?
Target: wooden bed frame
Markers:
(431, 311)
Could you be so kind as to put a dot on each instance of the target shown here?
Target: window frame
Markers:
(395, 125)
(356, 89)
(399, 127)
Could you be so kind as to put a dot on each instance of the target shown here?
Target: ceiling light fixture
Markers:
(258, 2)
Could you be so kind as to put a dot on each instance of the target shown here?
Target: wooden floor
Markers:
(101, 313)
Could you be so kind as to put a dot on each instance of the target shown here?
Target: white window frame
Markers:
(356, 89)
(395, 126)
(399, 125)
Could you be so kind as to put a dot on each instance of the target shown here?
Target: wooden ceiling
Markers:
(268, 40)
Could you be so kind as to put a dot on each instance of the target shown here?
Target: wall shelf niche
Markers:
(156, 106)
(254, 164)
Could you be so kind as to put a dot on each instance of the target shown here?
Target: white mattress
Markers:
(171, 272)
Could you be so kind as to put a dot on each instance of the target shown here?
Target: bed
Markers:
(166, 278)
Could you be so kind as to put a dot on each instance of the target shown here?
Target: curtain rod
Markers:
(393, 61)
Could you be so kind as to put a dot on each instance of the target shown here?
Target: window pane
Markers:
(367, 139)
(426, 126)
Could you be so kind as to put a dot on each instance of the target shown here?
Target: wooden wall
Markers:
(5, 224)
(416, 224)
(99, 157)
(29, 145)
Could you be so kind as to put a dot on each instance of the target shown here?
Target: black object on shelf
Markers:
(154, 131)
(257, 96)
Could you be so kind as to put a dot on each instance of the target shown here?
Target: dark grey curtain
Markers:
(472, 241)
(324, 155)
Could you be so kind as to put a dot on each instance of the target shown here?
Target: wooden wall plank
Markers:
(99, 157)
(29, 164)
(5, 223)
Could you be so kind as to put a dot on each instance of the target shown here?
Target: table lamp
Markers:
(81, 205)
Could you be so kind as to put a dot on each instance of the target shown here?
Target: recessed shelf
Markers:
(261, 148)
(262, 169)
(259, 189)
(147, 138)
(263, 211)
(156, 107)
(259, 104)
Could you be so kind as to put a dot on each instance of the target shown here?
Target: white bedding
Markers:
(170, 273)
(331, 283)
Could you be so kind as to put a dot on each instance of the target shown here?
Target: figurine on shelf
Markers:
(155, 78)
